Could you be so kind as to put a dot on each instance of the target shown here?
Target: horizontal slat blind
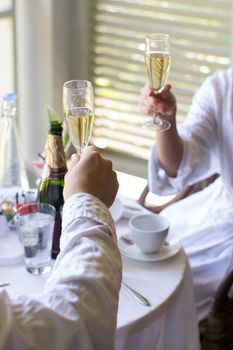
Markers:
(201, 37)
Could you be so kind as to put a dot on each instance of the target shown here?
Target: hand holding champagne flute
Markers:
(157, 60)
(78, 106)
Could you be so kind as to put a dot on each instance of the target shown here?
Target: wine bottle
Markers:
(52, 182)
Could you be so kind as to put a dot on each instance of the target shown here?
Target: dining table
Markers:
(168, 320)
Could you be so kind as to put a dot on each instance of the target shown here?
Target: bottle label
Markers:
(51, 187)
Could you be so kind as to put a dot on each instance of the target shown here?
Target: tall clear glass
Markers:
(78, 107)
(36, 223)
(157, 60)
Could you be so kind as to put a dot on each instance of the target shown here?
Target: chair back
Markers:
(219, 325)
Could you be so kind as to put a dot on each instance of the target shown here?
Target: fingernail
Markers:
(74, 157)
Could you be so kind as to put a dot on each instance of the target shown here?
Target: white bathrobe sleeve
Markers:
(78, 307)
(199, 134)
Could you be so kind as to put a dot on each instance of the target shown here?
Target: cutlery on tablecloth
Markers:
(4, 283)
(140, 298)
(127, 239)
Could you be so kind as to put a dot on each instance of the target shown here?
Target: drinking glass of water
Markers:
(36, 223)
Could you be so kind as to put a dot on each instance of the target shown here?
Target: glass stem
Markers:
(157, 120)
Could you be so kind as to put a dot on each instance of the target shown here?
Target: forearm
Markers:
(90, 286)
(89, 267)
(169, 147)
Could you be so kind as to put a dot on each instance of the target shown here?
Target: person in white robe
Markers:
(78, 307)
(189, 152)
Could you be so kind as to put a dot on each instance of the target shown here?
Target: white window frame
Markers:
(59, 54)
(11, 13)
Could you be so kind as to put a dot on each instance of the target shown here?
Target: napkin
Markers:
(131, 207)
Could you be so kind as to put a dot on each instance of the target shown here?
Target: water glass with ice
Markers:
(36, 224)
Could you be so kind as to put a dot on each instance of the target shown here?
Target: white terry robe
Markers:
(78, 307)
(204, 220)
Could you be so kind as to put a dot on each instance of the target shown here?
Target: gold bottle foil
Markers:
(55, 156)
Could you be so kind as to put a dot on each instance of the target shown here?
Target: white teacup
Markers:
(149, 232)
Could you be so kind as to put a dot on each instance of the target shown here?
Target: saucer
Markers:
(132, 251)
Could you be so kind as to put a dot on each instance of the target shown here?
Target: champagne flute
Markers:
(157, 60)
(78, 107)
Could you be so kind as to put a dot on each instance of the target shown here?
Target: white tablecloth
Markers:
(169, 324)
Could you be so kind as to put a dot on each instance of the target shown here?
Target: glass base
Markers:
(157, 124)
(39, 270)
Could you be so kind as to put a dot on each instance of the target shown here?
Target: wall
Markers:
(43, 64)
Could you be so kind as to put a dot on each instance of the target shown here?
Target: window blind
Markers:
(201, 43)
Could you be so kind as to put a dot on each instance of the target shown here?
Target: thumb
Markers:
(74, 159)
(166, 91)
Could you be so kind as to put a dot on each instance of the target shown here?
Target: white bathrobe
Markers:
(78, 308)
(204, 221)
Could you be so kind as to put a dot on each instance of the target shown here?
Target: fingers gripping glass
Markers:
(78, 107)
(157, 60)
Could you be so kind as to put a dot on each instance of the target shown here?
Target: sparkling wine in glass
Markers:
(157, 60)
(78, 106)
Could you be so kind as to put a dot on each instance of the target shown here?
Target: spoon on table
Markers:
(127, 239)
(140, 298)
(4, 283)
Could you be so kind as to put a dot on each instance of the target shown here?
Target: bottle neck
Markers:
(55, 160)
(9, 106)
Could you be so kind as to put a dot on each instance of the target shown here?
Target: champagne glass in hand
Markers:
(78, 106)
(157, 59)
